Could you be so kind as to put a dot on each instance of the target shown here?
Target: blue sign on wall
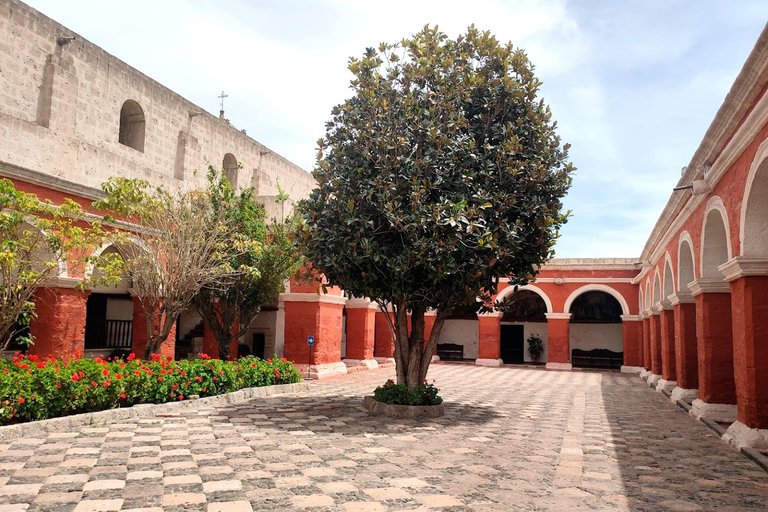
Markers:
(310, 340)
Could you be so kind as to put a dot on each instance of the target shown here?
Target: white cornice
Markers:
(312, 297)
(703, 285)
(48, 181)
(558, 316)
(741, 266)
(631, 318)
(664, 305)
(681, 298)
(560, 280)
(360, 304)
(493, 314)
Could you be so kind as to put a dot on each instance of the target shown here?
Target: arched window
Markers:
(132, 126)
(596, 307)
(685, 266)
(715, 245)
(230, 168)
(525, 306)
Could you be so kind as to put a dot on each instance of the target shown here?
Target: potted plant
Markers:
(535, 346)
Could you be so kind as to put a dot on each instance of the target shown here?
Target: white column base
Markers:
(559, 366)
(435, 357)
(686, 395)
(322, 371)
(360, 364)
(489, 362)
(385, 361)
(631, 369)
(653, 379)
(644, 374)
(721, 413)
(666, 385)
(741, 436)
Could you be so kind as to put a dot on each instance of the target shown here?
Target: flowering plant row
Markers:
(33, 388)
(391, 393)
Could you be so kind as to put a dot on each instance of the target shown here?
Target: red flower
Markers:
(118, 376)
(253, 364)
(215, 378)
(203, 390)
(107, 383)
(5, 371)
(159, 379)
(181, 397)
(183, 373)
(93, 383)
(131, 356)
(33, 358)
(283, 360)
(199, 379)
(58, 385)
(269, 361)
(21, 400)
(122, 395)
(204, 356)
(174, 386)
(25, 365)
(137, 372)
(221, 372)
(156, 357)
(105, 372)
(75, 377)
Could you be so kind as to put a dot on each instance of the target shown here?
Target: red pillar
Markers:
(320, 316)
(749, 296)
(655, 331)
(668, 365)
(141, 336)
(714, 337)
(489, 339)
(559, 341)
(633, 341)
(647, 343)
(686, 355)
(384, 346)
(59, 328)
(361, 333)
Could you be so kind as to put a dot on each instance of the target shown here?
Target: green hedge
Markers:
(36, 389)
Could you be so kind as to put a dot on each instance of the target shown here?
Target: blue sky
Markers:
(632, 84)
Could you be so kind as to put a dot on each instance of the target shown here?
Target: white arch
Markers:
(668, 285)
(509, 290)
(685, 237)
(640, 300)
(757, 162)
(138, 242)
(656, 286)
(596, 288)
(714, 203)
(647, 294)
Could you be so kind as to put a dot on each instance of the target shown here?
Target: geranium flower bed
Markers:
(398, 394)
(33, 388)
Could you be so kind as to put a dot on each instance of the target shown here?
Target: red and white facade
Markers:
(690, 314)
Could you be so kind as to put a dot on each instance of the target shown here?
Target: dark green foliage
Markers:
(391, 393)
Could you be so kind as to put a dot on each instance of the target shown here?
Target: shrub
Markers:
(535, 346)
(33, 388)
(391, 393)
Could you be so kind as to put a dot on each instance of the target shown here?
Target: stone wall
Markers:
(60, 110)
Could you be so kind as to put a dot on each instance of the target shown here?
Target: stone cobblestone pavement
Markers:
(511, 439)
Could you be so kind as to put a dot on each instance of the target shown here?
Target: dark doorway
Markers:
(512, 344)
(258, 344)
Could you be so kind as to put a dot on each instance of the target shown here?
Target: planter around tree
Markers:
(403, 411)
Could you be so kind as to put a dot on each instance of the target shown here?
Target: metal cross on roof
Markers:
(221, 97)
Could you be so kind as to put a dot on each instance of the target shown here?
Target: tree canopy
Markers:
(441, 174)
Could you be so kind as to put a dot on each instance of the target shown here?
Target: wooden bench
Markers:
(450, 351)
(597, 358)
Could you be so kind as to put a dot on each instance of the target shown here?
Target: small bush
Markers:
(391, 393)
(33, 388)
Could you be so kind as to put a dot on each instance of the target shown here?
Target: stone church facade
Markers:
(690, 314)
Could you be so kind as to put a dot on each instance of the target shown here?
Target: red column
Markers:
(384, 346)
(633, 341)
(714, 336)
(489, 339)
(559, 341)
(361, 332)
(141, 336)
(320, 316)
(655, 331)
(647, 343)
(686, 355)
(749, 296)
(59, 328)
(668, 365)
(211, 344)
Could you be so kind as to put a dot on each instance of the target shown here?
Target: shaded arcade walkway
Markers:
(511, 439)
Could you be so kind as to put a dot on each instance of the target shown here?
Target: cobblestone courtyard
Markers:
(512, 439)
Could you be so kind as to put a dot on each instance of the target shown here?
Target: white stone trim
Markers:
(664, 305)
(631, 369)
(686, 395)
(631, 318)
(63, 282)
(741, 436)
(681, 298)
(558, 316)
(622, 280)
(700, 286)
(322, 371)
(665, 385)
(312, 297)
(653, 379)
(645, 374)
(685, 237)
(488, 362)
(656, 297)
(760, 156)
(597, 288)
(511, 290)
(369, 364)
(740, 266)
(721, 413)
(559, 366)
(667, 263)
(360, 304)
(492, 314)
(714, 203)
(387, 361)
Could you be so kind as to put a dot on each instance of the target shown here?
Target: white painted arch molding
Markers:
(509, 290)
(597, 288)
(753, 223)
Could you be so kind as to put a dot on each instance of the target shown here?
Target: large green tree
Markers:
(267, 260)
(441, 174)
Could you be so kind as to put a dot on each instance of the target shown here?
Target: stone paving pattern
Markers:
(511, 439)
